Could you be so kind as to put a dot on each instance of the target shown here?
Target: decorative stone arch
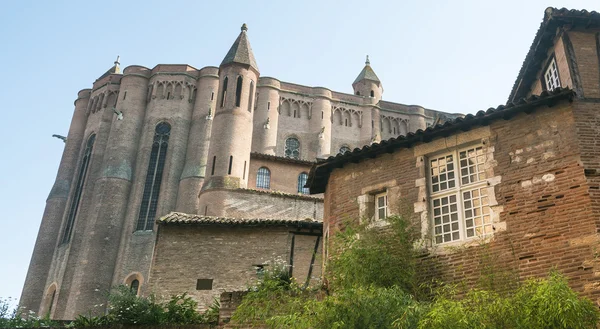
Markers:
(353, 116)
(98, 105)
(404, 127)
(129, 281)
(111, 99)
(49, 300)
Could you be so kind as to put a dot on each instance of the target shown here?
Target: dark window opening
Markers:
(244, 174)
(250, 96)
(124, 95)
(358, 93)
(263, 178)
(372, 93)
(346, 122)
(169, 95)
(295, 114)
(322, 115)
(135, 286)
(268, 106)
(204, 284)
(212, 172)
(238, 92)
(224, 93)
(83, 168)
(156, 165)
(212, 95)
(230, 164)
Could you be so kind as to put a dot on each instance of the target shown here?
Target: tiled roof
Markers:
(280, 194)
(241, 52)
(319, 173)
(367, 73)
(191, 219)
(280, 158)
(553, 18)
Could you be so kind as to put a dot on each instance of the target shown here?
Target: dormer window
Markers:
(551, 76)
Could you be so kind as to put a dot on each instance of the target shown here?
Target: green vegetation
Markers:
(372, 284)
(125, 307)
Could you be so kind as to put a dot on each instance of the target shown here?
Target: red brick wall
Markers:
(550, 223)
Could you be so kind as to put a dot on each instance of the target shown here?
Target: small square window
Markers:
(204, 284)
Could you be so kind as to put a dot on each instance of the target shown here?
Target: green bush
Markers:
(372, 284)
(125, 307)
(11, 317)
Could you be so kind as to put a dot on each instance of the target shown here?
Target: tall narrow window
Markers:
(292, 148)
(250, 96)
(83, 168)
(135, 286)
(551, 76)
(124, 95)
(372, 93)
(268, 106)
(238, 92)
(302, 178)
(224, 94)
(156, 165)
(381, 211)
(212, 171)
(230, 164)
(263, 178)
(212, 96)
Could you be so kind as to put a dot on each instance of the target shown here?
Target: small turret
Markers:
(231, 133)
(367, 83)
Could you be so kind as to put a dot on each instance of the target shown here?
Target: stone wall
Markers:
(230, 256)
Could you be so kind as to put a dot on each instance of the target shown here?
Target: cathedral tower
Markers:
(231, 133)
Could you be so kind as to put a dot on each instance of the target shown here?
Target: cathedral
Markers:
(176, 179)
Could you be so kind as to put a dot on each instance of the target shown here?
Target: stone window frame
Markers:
(288, 151)
(366, 201)
(422, 207)
(551, 75)
(302, 179)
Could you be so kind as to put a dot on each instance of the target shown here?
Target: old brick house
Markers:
(221, 154)
(521, 181)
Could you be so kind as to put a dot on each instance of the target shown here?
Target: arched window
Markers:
(344, 149)
(156, 165)
(224, 93)
(135, 286)
(263, 178)
(292, 148)
(238, 92)
(83, 168)
(358, 93)
(372, 93)
(302, 178)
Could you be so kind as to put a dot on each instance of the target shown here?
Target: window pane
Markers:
(476, 210)
(472, 165)
(442, 173)
(263, 178)
(302, 178)
(446, 225)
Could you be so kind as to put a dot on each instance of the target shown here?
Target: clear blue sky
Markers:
(458, 57)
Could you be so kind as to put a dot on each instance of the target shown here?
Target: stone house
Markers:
(520, 181)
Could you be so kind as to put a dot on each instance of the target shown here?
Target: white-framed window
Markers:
(551, 76)
(459, 200)
(381, 206)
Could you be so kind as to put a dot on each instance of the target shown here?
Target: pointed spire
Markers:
(367, 73)
(115, 69)
(241, 52)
